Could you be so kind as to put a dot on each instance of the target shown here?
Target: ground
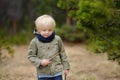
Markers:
(85, 65)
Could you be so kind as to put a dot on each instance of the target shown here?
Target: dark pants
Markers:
(52, 78)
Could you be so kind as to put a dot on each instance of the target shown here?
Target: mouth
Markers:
(46, 36)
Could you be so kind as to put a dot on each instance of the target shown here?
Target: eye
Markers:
(44, 30)
(50, 30)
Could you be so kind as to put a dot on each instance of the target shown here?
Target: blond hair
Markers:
(45, 21)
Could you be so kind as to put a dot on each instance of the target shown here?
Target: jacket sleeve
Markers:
(32, 54)
(63, 55)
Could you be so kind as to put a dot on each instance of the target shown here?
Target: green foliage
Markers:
(20, 38)
(100, 19)
(96, 17)
(50, 7)
(71, 33)
(4, 44)
(117, 4)
(92, 13)
(97, 46)
(44, 7)
(67, 4)
(7, 39)
(24, 32)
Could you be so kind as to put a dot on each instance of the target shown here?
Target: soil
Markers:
(85, 65)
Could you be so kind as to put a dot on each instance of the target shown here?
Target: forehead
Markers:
(46, 28)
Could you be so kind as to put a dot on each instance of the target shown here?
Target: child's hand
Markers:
(45, 62)
(66, 72)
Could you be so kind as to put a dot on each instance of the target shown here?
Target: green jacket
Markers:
(39, 50)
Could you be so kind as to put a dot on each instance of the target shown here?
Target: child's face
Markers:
(46, 32)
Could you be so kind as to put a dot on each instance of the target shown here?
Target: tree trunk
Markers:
(68, 19)
(14, 26)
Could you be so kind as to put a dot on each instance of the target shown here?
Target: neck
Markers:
(45, 40)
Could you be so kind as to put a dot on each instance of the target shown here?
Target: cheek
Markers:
(51, 32)
(41, 33)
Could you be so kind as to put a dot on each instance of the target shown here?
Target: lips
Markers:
(46, 36)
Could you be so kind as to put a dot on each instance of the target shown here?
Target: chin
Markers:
(46, 36)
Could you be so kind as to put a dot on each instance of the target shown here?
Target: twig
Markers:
(54, 56)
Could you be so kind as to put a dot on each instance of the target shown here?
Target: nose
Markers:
(47, 31)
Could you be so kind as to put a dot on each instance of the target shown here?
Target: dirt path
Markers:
(84, 66)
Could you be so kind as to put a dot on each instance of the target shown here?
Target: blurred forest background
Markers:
(93, 22)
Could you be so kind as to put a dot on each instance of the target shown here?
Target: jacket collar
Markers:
(43, 39)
